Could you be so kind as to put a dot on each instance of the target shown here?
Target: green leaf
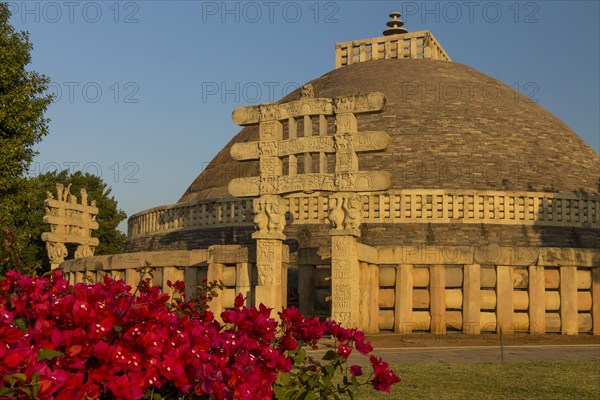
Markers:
(283, 379)
(329, 370)
(6, 392)
(27, 391)
(299, 356)
(279, 392)
(330, 355)
(19, 323)
(117, 328)
(47, 354)
(311, 396)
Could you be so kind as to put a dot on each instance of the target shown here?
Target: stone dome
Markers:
(452, 127)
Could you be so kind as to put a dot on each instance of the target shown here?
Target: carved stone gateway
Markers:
(345, 205)
(70, 222)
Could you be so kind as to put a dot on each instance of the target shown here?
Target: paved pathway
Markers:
(491, 354)
(481, 354)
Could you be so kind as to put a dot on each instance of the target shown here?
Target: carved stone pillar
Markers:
(472, 299)
(345, 291)
(403, 311)
(269, 218)
(345, 216)
(269, 265)
(568, 301)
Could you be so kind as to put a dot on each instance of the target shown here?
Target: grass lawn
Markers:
(512, 380)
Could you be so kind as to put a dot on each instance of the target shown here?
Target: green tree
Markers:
(23, 102)
(28, 220)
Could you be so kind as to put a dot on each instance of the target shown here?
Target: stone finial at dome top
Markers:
(395, 25)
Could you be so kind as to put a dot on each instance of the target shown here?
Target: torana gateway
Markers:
(399, 192)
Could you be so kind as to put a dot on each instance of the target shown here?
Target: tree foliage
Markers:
(23, 102)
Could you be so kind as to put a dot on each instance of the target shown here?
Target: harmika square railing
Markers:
(421, 44)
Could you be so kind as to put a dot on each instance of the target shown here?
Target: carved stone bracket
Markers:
(269, 217)
(345, 214)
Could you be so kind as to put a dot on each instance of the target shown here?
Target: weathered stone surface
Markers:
(346, 182)
(497, 128)
(364, 141)
(70, 222)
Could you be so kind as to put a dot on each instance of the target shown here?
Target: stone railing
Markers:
(395, 206)
(420, 44)
(442, 206)
(192, 215)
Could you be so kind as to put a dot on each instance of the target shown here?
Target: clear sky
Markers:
(145, 89)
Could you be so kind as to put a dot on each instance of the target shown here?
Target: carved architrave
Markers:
(251, 115)
(346, 182)
(365, 141)
(361, 103)
(69, 238)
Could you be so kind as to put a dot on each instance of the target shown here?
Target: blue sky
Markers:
(145, 89)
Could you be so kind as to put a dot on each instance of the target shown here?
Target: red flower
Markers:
(239, 301)
(344, 350)
(356, 370)
(102, 340)
(384, 380)
(288, 343)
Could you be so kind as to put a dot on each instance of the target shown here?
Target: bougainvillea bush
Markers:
(107, 340)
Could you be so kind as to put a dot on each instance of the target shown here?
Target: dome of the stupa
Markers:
(452, 127)
(471, 160)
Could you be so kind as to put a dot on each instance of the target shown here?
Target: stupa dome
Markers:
(452, 127)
